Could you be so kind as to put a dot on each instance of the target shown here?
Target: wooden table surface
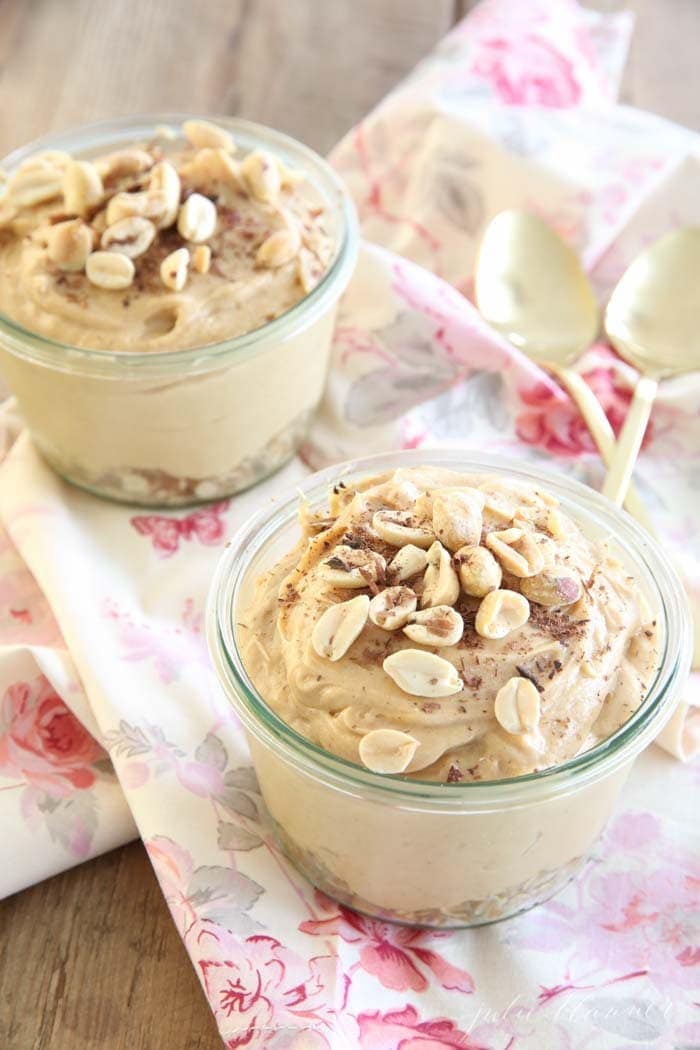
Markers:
(90, 959)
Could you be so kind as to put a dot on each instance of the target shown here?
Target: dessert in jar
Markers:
(445, 680)
(167, 301)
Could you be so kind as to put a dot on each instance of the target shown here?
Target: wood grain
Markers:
(90, 959)
(312, 69)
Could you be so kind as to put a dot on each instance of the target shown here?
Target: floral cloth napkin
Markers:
(106, 690)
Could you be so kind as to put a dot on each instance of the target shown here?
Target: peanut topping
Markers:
(479, 572)
(110, 270)
(500, 613)
(485, 679)
(387, 750)
(196, 219)
(69, 244)
(123, 162)
(422, 674)
(173, 269)
(392, 608)
(555, 524)
(148, 204)
(441, 582)
(212, 169)
(165, 179)
(262, 175)
(82, 188)
(457, 517)
(399, 527)
(131, 237)
(437, 626)
(517, 706)
(552, 588)
(278, 249)
(517, 552)
(247, 216)
(339, 626)
(35, 184)
(409, 561)
(202, 134)
(348, 567)
(201, 258)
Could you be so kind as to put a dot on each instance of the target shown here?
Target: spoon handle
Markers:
(625, 455)
(601, 432)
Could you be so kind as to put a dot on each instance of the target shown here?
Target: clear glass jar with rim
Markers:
(425, 853)
(172, 427)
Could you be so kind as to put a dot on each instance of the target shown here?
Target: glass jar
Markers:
(173, 427)
(428, 853)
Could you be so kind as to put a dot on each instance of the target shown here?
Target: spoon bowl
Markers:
(530, 287)
(653, 316)
(653, 321)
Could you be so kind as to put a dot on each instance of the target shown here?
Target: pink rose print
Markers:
(264, 994)
(396, 955)
(551, 420)
(404, 1029)
(636, 920)
(55, 760)
(171, 647)
(217, 894)
(42, 742)
(528, 71)
(204, 525)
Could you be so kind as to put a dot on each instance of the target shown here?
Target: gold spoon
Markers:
(653, 321)
(530, 286)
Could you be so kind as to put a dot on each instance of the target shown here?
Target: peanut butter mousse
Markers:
(449, 627)
(171, 244)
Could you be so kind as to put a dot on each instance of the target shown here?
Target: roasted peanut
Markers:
(441, 582)
(387, 750)
(400, 527)
(339, 626)
(517, 706)
(457, 517)
(420, 673)
(517, 551)
(437, 626)
(501, 612)
(69, 244)
(478, 570)
(392, 608)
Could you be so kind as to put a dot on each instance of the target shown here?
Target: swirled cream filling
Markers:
(164, 245)
(449, 627)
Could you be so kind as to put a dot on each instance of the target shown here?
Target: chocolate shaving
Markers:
(290, 596)
(524, 673)
(557, 625)
(454, 775)
(556, 668)
(356, 542)
(336, 562)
